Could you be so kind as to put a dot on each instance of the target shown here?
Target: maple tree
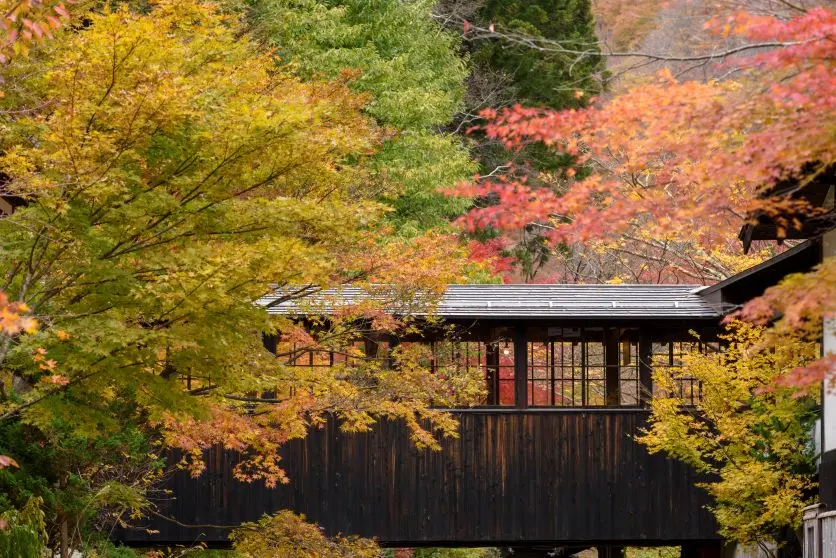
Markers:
(751, 437)
(677, 166)
(172, 177)
(13, 321)
(799, 306)
(22, 23)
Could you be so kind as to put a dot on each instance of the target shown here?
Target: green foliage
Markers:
(101, 480)
(409, 167)
(106, 549)
(538, 78)
(401, 57)
(457, 553)
(408, 65)
(23, 533)
(652, 552)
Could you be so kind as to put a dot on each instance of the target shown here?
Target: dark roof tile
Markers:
(545, 301)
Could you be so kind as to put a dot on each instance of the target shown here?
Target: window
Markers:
(669, 354)
(294, 355)
(629, 382)
(583, 367)
(495, 360)
(566, 367)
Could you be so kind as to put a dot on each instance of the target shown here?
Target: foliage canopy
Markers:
(173, 175)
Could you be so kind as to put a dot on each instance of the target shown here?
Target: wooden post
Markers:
(610, 551)
(370, 347)
(270, 342)
(645, 368)
(492, 371)
(520, 366)
(611, 355)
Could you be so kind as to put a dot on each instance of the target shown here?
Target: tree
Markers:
(797, 307)
(536, 78)
(288, 535)
(173, 176)
(13, 321)
(676, 167)
(505, 73)
(749, 436)
(409, 67)
(23, 532)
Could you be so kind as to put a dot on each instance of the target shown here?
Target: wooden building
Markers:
(549, 459)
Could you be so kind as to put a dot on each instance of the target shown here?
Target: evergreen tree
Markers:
(538, 78)
(410, 68)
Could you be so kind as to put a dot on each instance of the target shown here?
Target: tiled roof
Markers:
(538, 301)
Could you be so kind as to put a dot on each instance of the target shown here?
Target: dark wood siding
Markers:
(515, 476)
(827, 479)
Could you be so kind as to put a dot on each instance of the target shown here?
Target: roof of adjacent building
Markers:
(533, 301)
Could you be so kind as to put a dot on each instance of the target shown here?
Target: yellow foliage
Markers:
(748, 435)
(174, 175)
(287, 535)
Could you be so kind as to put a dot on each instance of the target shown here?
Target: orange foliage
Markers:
(24, 22)
(13, 319)
(685, 161)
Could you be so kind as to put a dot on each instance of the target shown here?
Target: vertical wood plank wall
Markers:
(517, 476)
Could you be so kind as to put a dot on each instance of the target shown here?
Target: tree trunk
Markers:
(64, 523)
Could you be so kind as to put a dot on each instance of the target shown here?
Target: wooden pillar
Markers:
(270, 342)
(370, 346)
(645, 368)
(611, 356)
(492, 370)
(610, 551)
(520, 366)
